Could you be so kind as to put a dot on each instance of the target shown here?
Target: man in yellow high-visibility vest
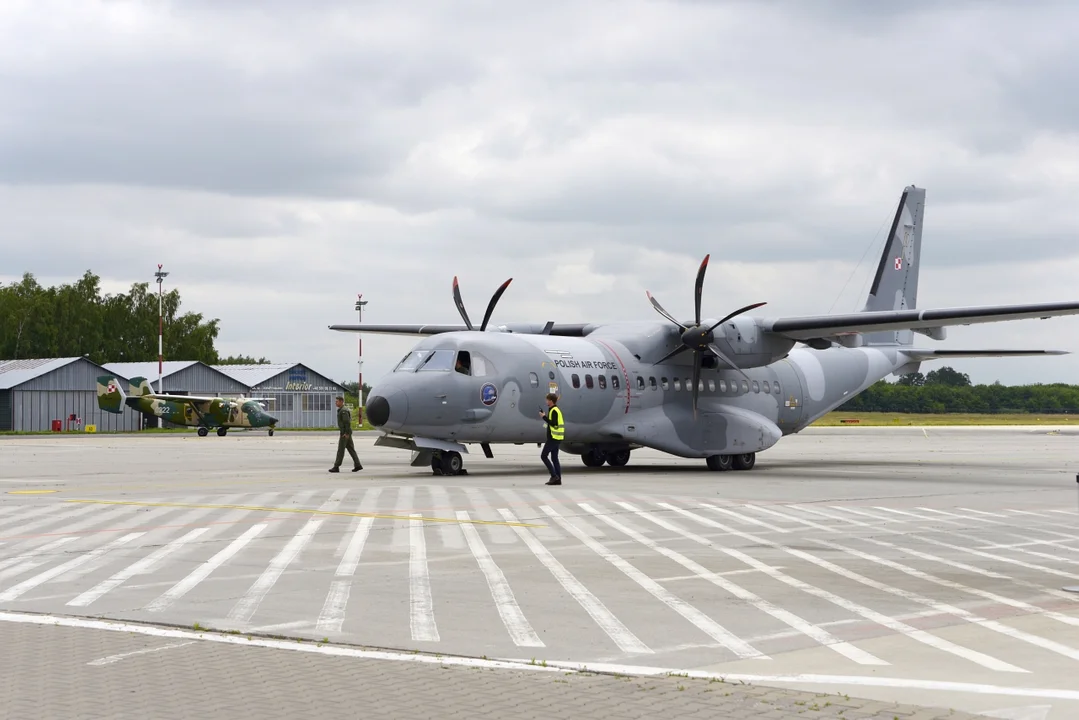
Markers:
(556, 430)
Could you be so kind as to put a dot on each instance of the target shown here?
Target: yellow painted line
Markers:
(306, 511)
(30, 492)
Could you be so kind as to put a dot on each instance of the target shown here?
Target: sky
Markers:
(278, 158)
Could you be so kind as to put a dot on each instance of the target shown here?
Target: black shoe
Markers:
(333, 469)
(554, 481)
(357, 468)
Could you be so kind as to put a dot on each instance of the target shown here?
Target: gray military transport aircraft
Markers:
(723, 390)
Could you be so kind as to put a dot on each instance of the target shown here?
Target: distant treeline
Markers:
(949, 391)
(76, 319)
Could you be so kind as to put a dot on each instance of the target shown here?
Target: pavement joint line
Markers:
(308, 511)
(402, 655)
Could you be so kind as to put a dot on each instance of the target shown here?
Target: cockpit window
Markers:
(464, 362)
(426, 360)
(439, 360)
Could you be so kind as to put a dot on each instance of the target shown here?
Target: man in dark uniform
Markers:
(344, 442)
(556, 431)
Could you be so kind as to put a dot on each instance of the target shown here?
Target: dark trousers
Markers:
(550, 448)
(345, 443)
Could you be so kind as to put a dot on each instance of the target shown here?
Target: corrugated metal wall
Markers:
(201, 379)
(35, 410)
(54, 396)
(302, 398)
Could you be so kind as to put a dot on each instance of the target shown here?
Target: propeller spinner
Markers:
(697, 338)
(490, 306)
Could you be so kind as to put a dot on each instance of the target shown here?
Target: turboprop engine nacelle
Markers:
(748, 346)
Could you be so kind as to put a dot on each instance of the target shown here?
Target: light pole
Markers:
(360, 302)
(160, 275)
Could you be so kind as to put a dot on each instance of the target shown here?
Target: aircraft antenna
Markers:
(872, 244)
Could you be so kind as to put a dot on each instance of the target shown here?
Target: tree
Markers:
(915, 379)
(350, 390)
(947, 376)
(242, 360)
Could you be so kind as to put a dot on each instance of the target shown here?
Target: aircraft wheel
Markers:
(203, 432)
(451, 463)
(271, 432)
(619, 458)
(221, 431)
(745, 461)
(593, 457)
(720, 462)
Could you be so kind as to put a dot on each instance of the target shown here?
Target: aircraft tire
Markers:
(451, 463)
(271, 432)
(203, 432)
(618, 458)
(745, 461)
(720, 462)
(593, 457)
(221, 431)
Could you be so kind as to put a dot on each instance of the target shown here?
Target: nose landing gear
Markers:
(447, 463)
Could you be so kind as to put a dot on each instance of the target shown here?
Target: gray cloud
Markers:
(280, 157)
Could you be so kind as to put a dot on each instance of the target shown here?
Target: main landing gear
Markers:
(203, 432)
(743, 461)
(595, 457)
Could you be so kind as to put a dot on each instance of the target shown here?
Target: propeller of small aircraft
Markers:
(490, 306)
(697, 338)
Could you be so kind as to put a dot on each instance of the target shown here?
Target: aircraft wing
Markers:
(919, 354)
(183, 398)
(565, 330)
(823, 326)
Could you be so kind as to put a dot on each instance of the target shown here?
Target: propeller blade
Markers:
(677, 351)
(739, 311)
(494, 301)
(460, 303)
(719, 354)
(661, 311)
(698, 290)
(696, 380)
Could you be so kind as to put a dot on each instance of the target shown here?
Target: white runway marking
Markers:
(603, 617)
(868, 613)
(27, 585)
(332, 617)
(516, 624)
(138, 567)
(117, 658)
(419, 586)
(203, 571)
(248, 605)
(704, 623)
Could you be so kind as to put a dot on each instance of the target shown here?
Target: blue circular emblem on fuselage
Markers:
(488, 394)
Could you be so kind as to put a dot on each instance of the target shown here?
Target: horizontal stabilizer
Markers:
(919, 355)
(823, 326)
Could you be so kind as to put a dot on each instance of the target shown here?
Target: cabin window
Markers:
(640, 383)
(652, 382)
(745, 386)
(723, 386)
(756, 387)
(576, 380)
(614, 382)
(767, 387)
(776, 387)
(550, 374)
(711, 386)
(677, 384)
(533, 379)
(588, 382)
(664, 384)
(602, 379)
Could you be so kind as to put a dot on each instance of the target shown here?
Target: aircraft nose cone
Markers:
(378, 410)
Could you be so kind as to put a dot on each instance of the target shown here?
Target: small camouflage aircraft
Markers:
(720, 389)
(190, 410)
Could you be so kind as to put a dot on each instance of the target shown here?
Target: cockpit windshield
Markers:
(426, 361)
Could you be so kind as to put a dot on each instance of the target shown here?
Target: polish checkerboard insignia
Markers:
(899, 263)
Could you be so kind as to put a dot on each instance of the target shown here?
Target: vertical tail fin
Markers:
(110, 394)
(139, 387)
(895, 286)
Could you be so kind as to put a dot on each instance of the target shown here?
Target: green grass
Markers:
(875, 419)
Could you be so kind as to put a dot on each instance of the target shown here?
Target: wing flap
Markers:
(820, 326)
(920, 355)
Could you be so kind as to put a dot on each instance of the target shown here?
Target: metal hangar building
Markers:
(39, 394)
(299, 397)
(181, 377)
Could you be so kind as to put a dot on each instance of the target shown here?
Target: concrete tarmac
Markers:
(922, 566)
